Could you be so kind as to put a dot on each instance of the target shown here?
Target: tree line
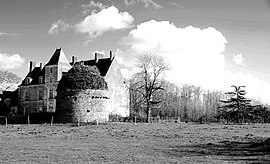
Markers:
(153, 97)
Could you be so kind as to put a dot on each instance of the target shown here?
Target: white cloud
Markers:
(58, 26)
(129, 2)
(106, 20)
(99, 52)
(196, 56)
(7, 34)
(11, 61)
(91, 7)
(238, 59)
(3, 33)
(146, 3)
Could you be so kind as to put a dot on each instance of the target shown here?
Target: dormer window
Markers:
(28, 80)
(40, 79)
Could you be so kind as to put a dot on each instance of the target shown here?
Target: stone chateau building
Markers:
(38, 91)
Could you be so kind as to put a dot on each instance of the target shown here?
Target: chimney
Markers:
(96, 57)
(31, 66)
(111, 55)
(74, 60)
(40, 65)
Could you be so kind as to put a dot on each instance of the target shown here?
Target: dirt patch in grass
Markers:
(140, 143)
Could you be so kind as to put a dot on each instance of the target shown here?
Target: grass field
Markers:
(140, 143)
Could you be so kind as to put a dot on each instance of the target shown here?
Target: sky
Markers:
(208, 43)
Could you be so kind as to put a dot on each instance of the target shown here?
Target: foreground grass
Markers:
(140, 143)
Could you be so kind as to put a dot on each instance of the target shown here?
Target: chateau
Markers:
(38, 91)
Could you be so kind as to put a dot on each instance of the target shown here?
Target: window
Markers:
(51, 79)
(28, 80)
(50, 69)
(40, 94)
(40, 79)
(27, 94)
(51, 94)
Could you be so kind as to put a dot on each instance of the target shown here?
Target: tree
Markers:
(8, 80)
(148, 80)
(170, 96)
(237, 106)
(186, 95)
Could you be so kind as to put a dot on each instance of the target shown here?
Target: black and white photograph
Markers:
(135, 81)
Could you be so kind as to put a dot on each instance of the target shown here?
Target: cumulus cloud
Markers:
(190, 51)
(91, 7)
(146, 3)
(238, 59)
(58, 26)
(106, 20)
(11, 61)
(196, 56)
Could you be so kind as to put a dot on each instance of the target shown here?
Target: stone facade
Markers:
(118, 91)
(84, 106)
(38, 91)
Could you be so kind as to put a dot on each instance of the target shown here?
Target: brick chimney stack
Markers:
(111, 55)
(96, 57)
(74, 60)
(40, 65)
(32, 66)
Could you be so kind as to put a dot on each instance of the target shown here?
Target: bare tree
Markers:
(148, 79)
(186, 95)
(8, 80)
(170, 96)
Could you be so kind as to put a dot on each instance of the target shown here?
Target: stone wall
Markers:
(51, 74)
(36, 98)
(83, 106)
(118, 91)
(32, 99)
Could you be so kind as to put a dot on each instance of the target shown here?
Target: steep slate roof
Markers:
(103, 65)
(34, 75)
(58, 58)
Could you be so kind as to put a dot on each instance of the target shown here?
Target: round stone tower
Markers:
(82, 96)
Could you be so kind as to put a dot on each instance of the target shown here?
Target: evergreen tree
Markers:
(237, 107)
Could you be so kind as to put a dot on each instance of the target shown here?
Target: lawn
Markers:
(135, 143)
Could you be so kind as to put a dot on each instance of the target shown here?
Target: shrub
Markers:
(81, 77)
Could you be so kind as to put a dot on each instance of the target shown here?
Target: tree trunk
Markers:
(148, 113)
(185, 114)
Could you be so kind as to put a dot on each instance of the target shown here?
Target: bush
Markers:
(81, 77)
(118, 118)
